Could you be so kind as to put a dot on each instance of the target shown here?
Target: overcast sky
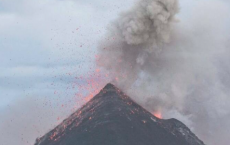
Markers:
(44, 46)
(43, 39)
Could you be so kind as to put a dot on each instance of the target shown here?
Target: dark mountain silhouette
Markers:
(112, 118)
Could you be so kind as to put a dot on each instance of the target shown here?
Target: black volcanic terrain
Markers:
(112, 118)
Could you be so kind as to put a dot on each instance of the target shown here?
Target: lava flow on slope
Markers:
(112, 118)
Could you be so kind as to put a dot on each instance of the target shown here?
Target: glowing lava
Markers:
(158, 115)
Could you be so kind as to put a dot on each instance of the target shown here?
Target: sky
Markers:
(46, 45)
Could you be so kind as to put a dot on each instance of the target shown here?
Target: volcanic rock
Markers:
(113, 118)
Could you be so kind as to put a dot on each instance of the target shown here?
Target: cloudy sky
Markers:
(44, 46)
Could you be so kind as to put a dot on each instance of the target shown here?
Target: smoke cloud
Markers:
(137, 37)
(179, 67)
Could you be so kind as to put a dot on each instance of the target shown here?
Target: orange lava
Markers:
(158, 115)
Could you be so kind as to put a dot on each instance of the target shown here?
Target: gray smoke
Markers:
(178, 68)
(136, 38)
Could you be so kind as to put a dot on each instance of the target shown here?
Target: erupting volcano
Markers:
(113, 118)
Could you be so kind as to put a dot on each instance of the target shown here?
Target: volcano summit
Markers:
(112, 118)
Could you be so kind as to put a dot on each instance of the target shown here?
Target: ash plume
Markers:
(175, 67)
(137, 37)
(136, 41)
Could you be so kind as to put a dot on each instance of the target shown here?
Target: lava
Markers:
(158, 115)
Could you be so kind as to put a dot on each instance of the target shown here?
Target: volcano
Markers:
(113, 118)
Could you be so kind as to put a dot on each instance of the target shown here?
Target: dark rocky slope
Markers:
(112, 118)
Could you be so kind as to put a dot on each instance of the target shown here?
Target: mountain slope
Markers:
(112, 118)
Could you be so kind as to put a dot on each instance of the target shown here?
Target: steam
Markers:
(177, 68)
